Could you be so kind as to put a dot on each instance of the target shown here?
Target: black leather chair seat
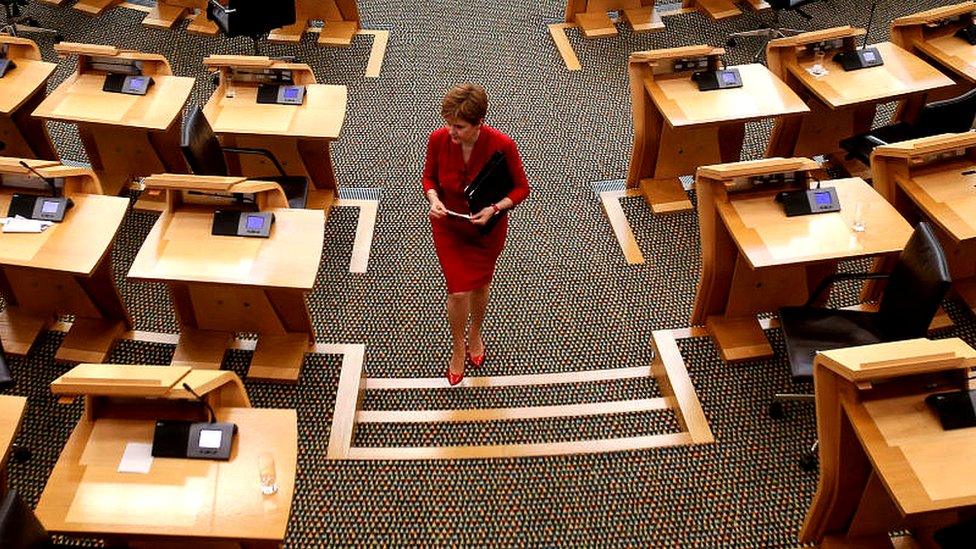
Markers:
(19, 528)
(295, 187)
(808, 330)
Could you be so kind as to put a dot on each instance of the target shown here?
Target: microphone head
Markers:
(187, 386)
(24, 164)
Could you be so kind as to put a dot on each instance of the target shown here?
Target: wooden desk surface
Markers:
(946, 196)
(181, 248)
(85, 493)
(80, 99)
(766, 237)
(75, 245)
(320, 117)
(19, 84)
(11, 414)
(762, 95)
(923, 467)
(953, 52)
(902, 74)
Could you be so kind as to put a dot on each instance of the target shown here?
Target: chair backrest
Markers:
(916, 287)
(954, 115)
(788, 4)
(200, 145)
(250, 17)
(19, 528)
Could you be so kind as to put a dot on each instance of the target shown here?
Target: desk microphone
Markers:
(863, 57)
(213, 416)
(55, 192)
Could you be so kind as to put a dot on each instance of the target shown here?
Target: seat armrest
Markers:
(839, 277)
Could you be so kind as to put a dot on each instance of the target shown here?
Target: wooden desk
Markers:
(931, 34)
(841, 103)
(593, 21)
(340, 18)
(299, 136)
(885, 462)
(678, 128)
(720, 9)
(178, 499)
(165, 14)
(21, 91)
(126, 136)
(929, 179)
(67, 269)
(221, 285)
(11, 416)
(755, 259)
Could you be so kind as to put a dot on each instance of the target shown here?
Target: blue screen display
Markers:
(255, 222)
(49, 207)
(291, 93)
(869, 56)
(728, 77)
(823, 199)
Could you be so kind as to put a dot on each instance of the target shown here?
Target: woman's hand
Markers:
(437, 209)
(483, 216)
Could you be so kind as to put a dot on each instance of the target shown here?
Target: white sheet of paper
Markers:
(466, 216)
(137, 458)
(20, 224)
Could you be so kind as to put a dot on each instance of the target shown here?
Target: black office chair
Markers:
(957, 536)
(5, 377)
(914, 291)
(771, 32)
(19, 528)
(954, 115)
(205, 155)
(16, 22)
(254, 18)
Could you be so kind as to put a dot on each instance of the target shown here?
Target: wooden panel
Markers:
(19, 329)
(118, 380)
(320, 117)
(200, 349)
(521, 450)
(278, 357)
(349, 396)
(226, 308)
(739, 338)
(497, 414)
(558, 33)
(621, 228)
(672, 377)
(90, 340)
(608, 374)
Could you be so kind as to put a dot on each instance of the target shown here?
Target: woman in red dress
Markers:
(456, 154)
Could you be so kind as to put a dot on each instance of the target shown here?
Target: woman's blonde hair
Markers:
(468, 102)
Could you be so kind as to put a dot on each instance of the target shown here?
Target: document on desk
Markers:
(456, 214)
(137, 458)
(20, 224)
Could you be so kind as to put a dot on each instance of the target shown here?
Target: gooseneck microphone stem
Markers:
(48, 180)
(213, 416)
(867, 33)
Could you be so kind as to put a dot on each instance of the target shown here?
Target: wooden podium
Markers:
(932, 179)
(678, 128)
(126, 136)
(593, 21)
(340, 18)
(299, 136)
(931, 34)
(21, 90)
(65, 270)
(886, 464)
(177, 500)
(222, 285)
(842, 103)
(755, 259)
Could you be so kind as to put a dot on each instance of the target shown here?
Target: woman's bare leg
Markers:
(458, 310)
(479, 305)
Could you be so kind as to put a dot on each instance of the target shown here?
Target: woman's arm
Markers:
(429, 181)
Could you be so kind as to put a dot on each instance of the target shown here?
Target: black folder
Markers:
(492, 184)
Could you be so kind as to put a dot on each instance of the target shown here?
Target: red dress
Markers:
(468, 257)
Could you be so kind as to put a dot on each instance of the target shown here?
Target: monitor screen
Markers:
(255, 222)
(49, 207)
(869, 56)
(291, 93)
(210, 438)
(823, 198)
(728, 77)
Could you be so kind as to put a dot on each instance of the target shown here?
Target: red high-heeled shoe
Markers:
(453, 378)
(478, 361)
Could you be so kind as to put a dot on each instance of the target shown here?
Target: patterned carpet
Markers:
(563, 300)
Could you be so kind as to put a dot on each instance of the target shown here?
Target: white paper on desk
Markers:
(20, 224)
(137, 458)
